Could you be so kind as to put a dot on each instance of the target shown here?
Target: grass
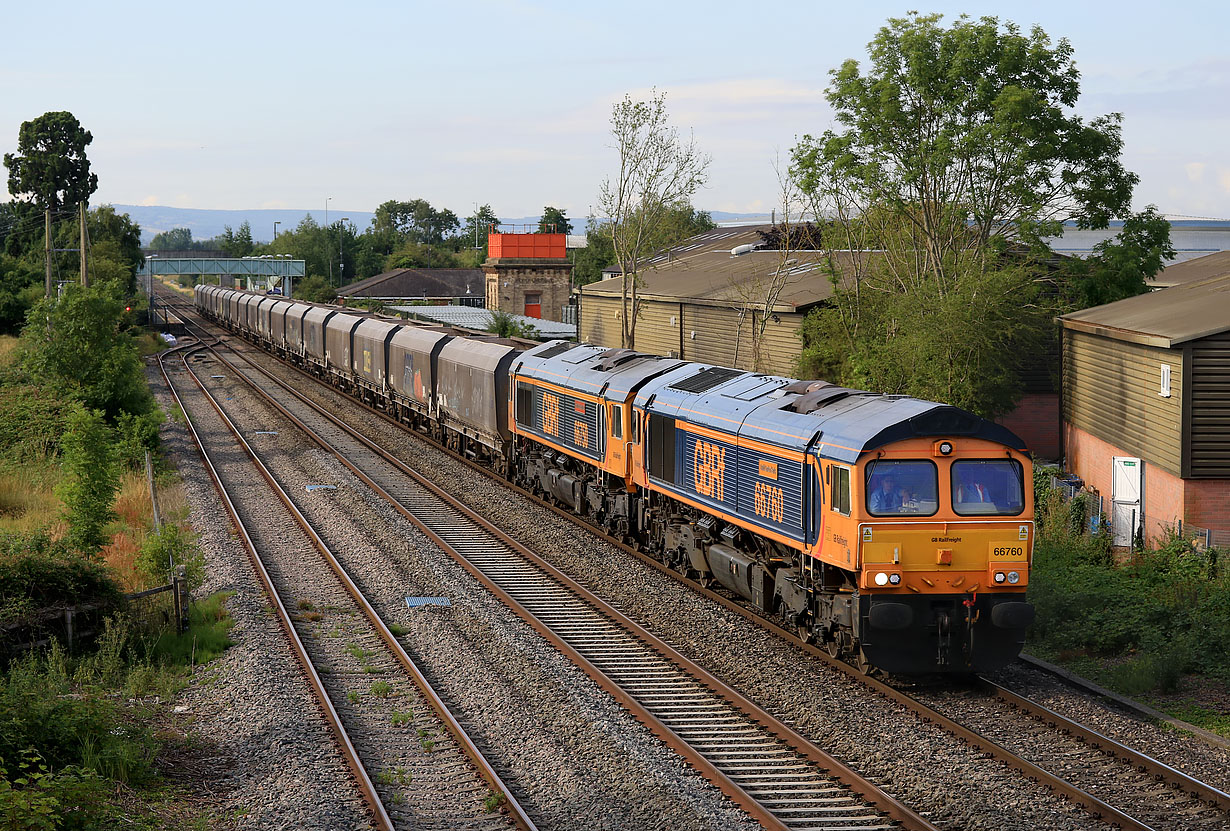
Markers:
(207, 637)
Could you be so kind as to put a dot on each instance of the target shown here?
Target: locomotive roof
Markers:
(795, 415)
(598, 370)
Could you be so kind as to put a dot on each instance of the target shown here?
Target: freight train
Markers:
(894, 531)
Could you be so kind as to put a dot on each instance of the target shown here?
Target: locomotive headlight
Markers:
(999, 577)
(881, 579)
(895, 579)
(1014, 577)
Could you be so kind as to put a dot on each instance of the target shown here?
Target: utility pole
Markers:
(47, 253)
(85, 274)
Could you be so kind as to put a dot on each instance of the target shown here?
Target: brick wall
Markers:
(508, 284)
(1165, 495)
(1036, 420)
(1208, 504)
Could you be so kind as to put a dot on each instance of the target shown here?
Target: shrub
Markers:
(91, 480)
(167, 548)
(38, 573)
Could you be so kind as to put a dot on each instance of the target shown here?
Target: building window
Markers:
(1164, 391)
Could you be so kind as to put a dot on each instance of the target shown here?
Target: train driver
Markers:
(886, 499)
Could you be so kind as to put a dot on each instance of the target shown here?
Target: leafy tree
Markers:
(959, 153)
(177, 239)
(657, 171)
(1120, 267)
(21, 284)
(554, 221)
(76, 344)
(91, 479)
(598, 254)
(477, 228)
(415, 221)
(237, 243)
(50, 164)
(315, 289)
(967, 132)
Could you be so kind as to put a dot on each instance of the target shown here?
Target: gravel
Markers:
(279, 768)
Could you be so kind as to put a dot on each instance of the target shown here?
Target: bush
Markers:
(31, 421)
(38, 573)
(167, 548)
(135, 434)
(91, 480)
(1168, 609)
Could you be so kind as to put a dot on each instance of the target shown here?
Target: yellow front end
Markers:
(945, 557)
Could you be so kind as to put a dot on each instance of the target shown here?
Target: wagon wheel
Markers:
(833, 645)
(802, 628)
(864, 666)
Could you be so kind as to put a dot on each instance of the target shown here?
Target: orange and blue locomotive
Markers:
(895, 531)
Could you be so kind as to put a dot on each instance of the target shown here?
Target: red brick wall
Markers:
(1165, 494)
(1036, 420)
(1208, 504)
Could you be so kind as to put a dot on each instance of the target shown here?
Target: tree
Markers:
(415, 221)
(597, 254)
(177, 239)
(477, 228)
(554, 221)
(1120, 267)
(50, 164)
(76, 344)
(966, 132)
(91, 480)
(315, 289)
(237, 243)
(959, 153)
(656, 171)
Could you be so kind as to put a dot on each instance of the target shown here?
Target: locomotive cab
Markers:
(943, 535)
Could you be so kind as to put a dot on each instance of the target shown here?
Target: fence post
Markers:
(68, 627)
(181, 602)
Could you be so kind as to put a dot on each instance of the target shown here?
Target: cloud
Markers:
(1223, 178)
(1195, 171)
(149, 200)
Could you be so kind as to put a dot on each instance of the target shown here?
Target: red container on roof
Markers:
(535, 246)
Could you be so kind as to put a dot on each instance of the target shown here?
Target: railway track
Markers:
(1080, 755)
(413, 763)
(776, 775)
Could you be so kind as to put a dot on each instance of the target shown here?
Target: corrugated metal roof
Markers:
(701, 268)
(420, 282)
(473, 317)
(1194, 270)
(1161, 318)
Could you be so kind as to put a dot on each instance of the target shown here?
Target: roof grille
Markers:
(558, 349)
(706, 379)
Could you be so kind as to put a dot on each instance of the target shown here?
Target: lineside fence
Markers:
(1094, 521)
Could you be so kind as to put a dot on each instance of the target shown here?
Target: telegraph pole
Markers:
(85, 274)
(47, 244)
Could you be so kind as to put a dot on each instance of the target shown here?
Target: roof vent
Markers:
(706, 379)
(612, 358)
(822, 397)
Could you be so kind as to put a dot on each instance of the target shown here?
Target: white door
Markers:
(1126, 479)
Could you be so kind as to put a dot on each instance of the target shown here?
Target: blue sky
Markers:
(283, 105)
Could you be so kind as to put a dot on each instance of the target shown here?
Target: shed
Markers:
(1146, 409)
(443, 286)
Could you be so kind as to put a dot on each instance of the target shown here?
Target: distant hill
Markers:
(154, 219)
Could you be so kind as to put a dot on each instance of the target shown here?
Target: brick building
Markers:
(1146, 407)
(528, 274)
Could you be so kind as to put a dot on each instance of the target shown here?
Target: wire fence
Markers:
(1096, 521)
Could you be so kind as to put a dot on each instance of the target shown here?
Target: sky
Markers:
(305, 105)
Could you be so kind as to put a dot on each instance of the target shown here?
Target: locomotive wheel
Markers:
(864, 666)
(833, 646)
(803, 628)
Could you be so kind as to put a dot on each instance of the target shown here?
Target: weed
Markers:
(352, 697)
(399, 718)
(306, 605)
(397, 629)
(381, 689)
(493, 802)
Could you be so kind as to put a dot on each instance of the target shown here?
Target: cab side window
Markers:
(617, 421)
(839, 490)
